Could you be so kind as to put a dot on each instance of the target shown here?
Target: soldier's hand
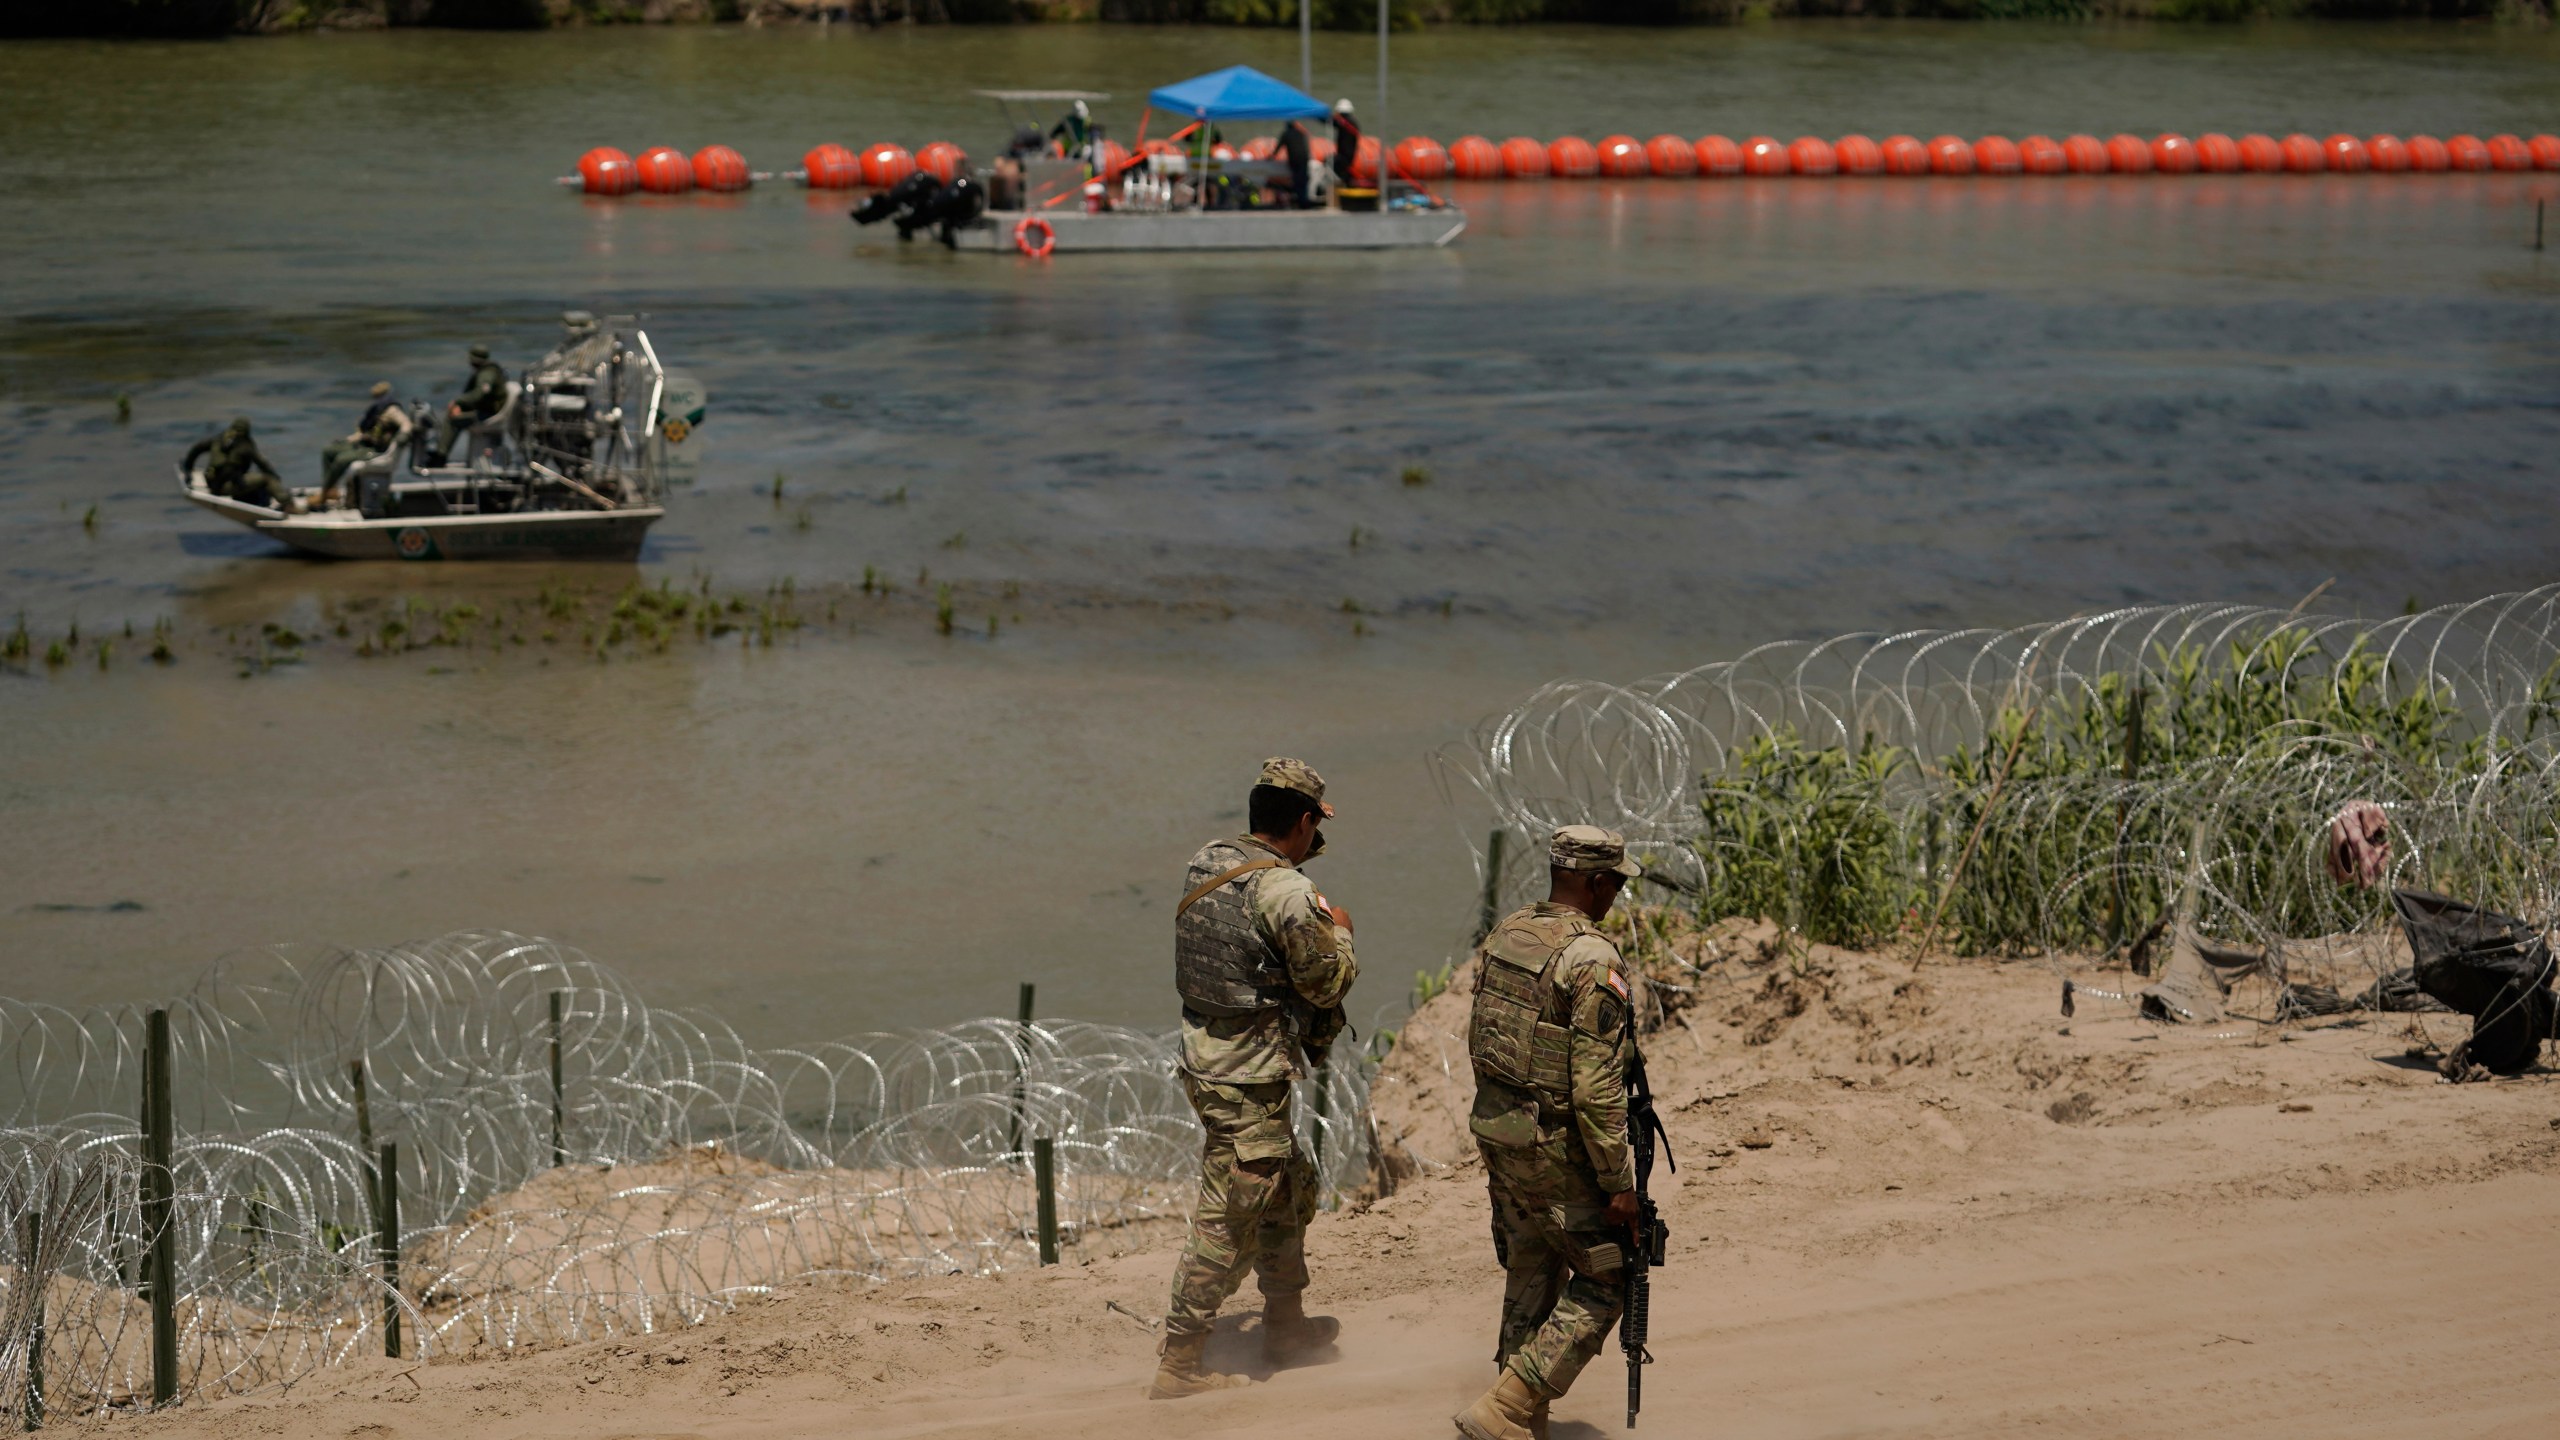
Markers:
(1341, 916)
(1623, 1209)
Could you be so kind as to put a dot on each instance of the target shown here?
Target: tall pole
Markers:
(559, 1143)
(1382, 108)
(1307, 66)
(387, 1224)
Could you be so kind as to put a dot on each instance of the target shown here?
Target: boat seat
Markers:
(491, 433)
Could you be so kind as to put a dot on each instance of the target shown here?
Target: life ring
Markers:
(1022, 241)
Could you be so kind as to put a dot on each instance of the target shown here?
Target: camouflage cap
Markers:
(1296, 775)
(1590, 848)
(381, 388)
(239, 424)
(479, 352)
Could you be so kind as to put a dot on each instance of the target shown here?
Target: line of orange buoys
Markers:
(665, 170)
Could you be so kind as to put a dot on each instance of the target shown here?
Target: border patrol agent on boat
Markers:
(1262, 961)
(1551, 1038)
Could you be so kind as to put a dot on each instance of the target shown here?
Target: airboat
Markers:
(572, 465)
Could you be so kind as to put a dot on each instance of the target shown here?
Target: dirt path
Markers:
(2022, 1226)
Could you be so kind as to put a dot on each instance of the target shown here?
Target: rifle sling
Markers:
(1222, 878)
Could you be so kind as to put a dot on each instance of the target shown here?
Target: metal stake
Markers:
(159, 1200)
(1044, 1174)
(1021, 1073)
(388, 1224)
(559, 1146)
(34, 1273)
(1492, 885)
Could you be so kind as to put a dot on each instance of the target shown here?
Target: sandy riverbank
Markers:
(1909, 1204)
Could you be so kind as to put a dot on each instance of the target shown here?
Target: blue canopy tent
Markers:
(1238, 92)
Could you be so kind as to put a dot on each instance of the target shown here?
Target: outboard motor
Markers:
(950, 207)
(905, 195)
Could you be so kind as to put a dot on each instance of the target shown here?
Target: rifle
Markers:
(1649, 1236)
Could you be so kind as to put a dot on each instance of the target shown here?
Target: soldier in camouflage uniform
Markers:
(480, 399)
(233, 467)
(1262, 961)
(1550, 1038)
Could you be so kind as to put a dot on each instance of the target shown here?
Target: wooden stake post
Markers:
(159, 1202)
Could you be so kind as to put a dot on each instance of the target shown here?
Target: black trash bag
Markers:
(2491, 967)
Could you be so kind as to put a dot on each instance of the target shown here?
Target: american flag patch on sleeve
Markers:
(1618, 983)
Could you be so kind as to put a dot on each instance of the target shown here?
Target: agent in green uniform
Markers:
(233, 466)
(384, 425)
(1262, 961)
(1550, 1038)
(480, 399)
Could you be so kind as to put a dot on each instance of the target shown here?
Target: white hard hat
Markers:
(1342, 106)
(1080, 110)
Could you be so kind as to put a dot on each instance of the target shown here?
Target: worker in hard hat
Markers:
(1346, 141)
(1077, 130)
(481, 398)
(234, 468)
(385, 424)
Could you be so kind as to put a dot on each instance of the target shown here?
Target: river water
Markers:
(1661, 420)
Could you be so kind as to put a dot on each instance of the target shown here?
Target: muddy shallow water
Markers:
(1659, 420)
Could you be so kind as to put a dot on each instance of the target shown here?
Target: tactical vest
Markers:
(378, 432)
(1222, 965)
(1521, 1032)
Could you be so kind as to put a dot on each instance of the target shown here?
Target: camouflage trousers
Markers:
(1564, 1270)
(1256, 1195)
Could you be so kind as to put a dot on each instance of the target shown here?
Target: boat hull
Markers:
(538, 535)
(1227, 230)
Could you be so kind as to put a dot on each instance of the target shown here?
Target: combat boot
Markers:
(1181, 1374)
(1504, 1412)
(1289, 1332)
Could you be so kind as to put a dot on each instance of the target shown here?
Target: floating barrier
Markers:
(606, 171)
(719, 168)
(664, 170)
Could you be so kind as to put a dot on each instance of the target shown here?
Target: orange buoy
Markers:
(2346, 154)
(2464, 152)
(942, 160)
(1762, 155)
(1859, 155)
(2303, 155)
(2217, 154)
(664, 170)
(2128, 154)
(2173, 154)
(2261, 154)
(1473, 157)
(1996, 155)
(1260, 147)
(1812, 155)
(2506, 152)
(1222, 152)
(1319, 150)
(2387, 153)
(1949, 155)
(2086, 154)
(1670, 155)
(1570, 157)
(830, 167)
(607, 171)
(884, 165)
(1364, 161)
(1905, 155)
(2038, 155)
(2545, 150)
(1523, 158)
(717, 167)
(1622, 158)
(1717, 156)
(2427, 154)
(1110, 157)
(1419, 157)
